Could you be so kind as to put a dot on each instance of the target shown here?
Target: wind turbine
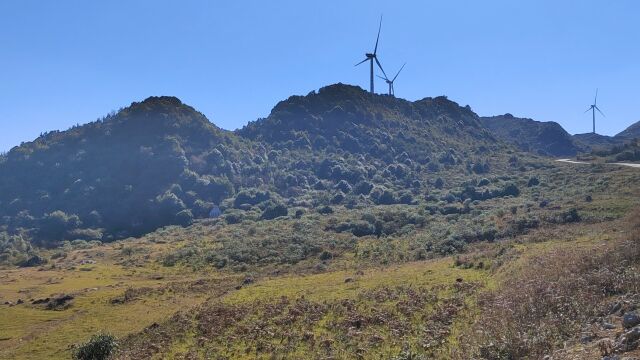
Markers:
(371, 57)
(392, 91)
(593, 109)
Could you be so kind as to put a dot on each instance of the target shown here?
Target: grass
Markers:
(32, 332)
(332, 286)
(180, 311)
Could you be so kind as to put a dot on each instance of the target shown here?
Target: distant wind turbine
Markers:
(593, 109)
(392, 90)
(371, 57)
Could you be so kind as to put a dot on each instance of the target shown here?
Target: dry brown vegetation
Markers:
(551, 298)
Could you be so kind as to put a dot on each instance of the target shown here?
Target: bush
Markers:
(325, 210)
(233, 216)
(251, 197)
(274, 210)
(483, 182)
(99, 347)
(382, 196)
(338, 198)
(343, 186)
(184, 217)
(511, 190)
(363, 187)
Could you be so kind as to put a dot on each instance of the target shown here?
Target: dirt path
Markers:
(569, 161)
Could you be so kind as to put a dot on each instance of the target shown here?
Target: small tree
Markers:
(274, 210)
(99, 347)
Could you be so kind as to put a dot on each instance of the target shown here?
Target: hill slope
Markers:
(544, 138)
(351, 119)
(631, 132)
(160, 162)
(112, 174)
(590, 141)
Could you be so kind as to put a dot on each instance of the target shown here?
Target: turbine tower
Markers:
(371, 57)
(593, 109)
(392, 90)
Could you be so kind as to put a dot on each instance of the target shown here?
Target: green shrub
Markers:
(274, 210)
(533, 181)
(325, 210)
(184, 217)
(99, 347)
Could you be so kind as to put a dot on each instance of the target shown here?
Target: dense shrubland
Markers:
(627, 151)
(160, 162)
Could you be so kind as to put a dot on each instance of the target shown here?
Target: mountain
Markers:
(631, 132)
(349, 118)
(544, 138)
(111, 175)
(160, 162)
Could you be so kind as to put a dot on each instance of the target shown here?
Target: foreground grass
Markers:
(32, 332)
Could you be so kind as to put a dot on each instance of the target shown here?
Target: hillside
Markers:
(589, 141)
(544, 138)
(111, 178)
(160, 162)
(350, 119)
(631, 132)
(428, 280)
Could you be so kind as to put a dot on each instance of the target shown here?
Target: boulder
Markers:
(630, 320)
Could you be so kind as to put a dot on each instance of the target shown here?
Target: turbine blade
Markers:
(589, 109)
(380, 66)
(595, 101)
(600, 111)
(375, 50)
(398, 73)
(361, 62)
(383, 78)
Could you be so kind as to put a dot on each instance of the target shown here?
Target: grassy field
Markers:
(332, 295)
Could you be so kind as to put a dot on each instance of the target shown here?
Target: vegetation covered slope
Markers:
(544, 138)
(117, 176)
(160, 162)
(313, 286)
(343, 117)
(632, 132)
(590, 141)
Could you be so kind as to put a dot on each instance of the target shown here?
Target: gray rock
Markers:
(629, 340)
(608, 326)
(587, 338)
(615, 307)
(630, 320)
(633, 334)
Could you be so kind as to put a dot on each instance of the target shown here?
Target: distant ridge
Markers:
(590, 141)
(544, 138)
(631, 132)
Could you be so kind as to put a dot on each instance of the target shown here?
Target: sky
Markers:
(70, 62)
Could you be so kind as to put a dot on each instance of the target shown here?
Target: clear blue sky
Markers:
(66, 62)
